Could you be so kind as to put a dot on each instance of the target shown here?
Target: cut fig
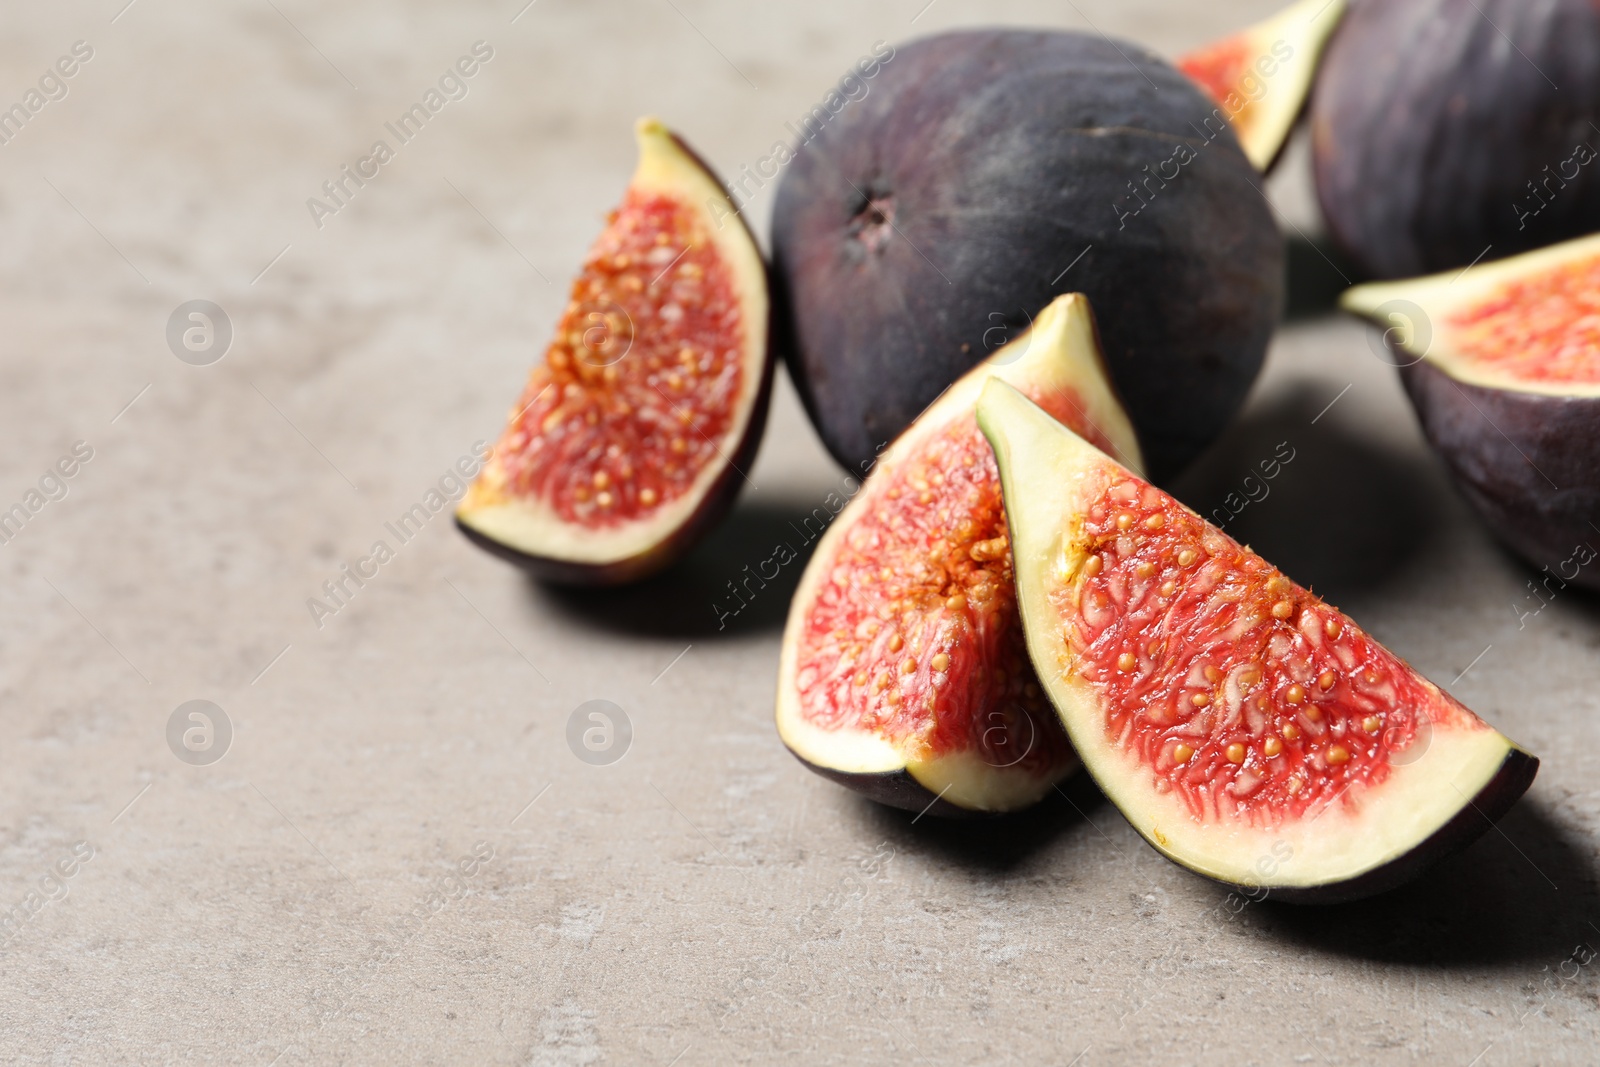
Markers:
(1445, 131)
(1249, 731)
(1502, 364)
(1261, 76)
(989, 171)
(630, 439)
(904, 674)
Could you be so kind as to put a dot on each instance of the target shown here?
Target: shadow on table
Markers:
(994, 844)
(737, 581)
(1341, 515)
(1524, 892)
(1568, 597)
(1315, 274)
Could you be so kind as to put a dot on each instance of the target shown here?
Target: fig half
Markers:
(630, 440)
(1249, 731)
(904, 675)
(1261, 76)
(1502, 364)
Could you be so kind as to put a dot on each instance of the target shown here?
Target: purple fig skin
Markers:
(984, 173)
(1529, 464)
(1431, 132)
(898, 789)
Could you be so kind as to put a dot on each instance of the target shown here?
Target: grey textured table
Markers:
(704, 899)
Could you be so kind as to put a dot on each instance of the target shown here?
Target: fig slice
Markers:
(1249, 731)
(1502, 363)
(904, 674)
(630, 439)
(1261, 76)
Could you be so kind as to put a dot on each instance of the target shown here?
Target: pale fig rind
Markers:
(1503, 789)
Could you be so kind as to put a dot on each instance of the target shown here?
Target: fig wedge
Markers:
(1261, 77)
(1502, 364)
(903, 674)
(1249, 731)
(629, 441)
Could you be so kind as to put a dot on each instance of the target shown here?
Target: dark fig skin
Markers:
(1428, 128)
(1493, 800)
(898, 789)
(916, 230)
(1529, 464)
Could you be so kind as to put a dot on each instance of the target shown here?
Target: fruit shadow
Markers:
(738, 581)
(1569, 597)
(995, 843)
(1315, 273)
(1388, 503)
(1523, 892)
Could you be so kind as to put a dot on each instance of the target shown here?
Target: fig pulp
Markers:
(1261, 76)
(629, 441)
(1247, 730)
(987, 172)
(1446, 130)
(904, 674)
(1502, 364)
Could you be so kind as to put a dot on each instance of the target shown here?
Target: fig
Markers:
(1439, 133)
(630, 439)
(1502, 364)
(986, 172)
(904, 675)
(1261, 76)
(1249, 731)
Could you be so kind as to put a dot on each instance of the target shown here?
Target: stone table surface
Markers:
(704, 899)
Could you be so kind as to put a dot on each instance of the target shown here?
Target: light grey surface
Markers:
(704, 899)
